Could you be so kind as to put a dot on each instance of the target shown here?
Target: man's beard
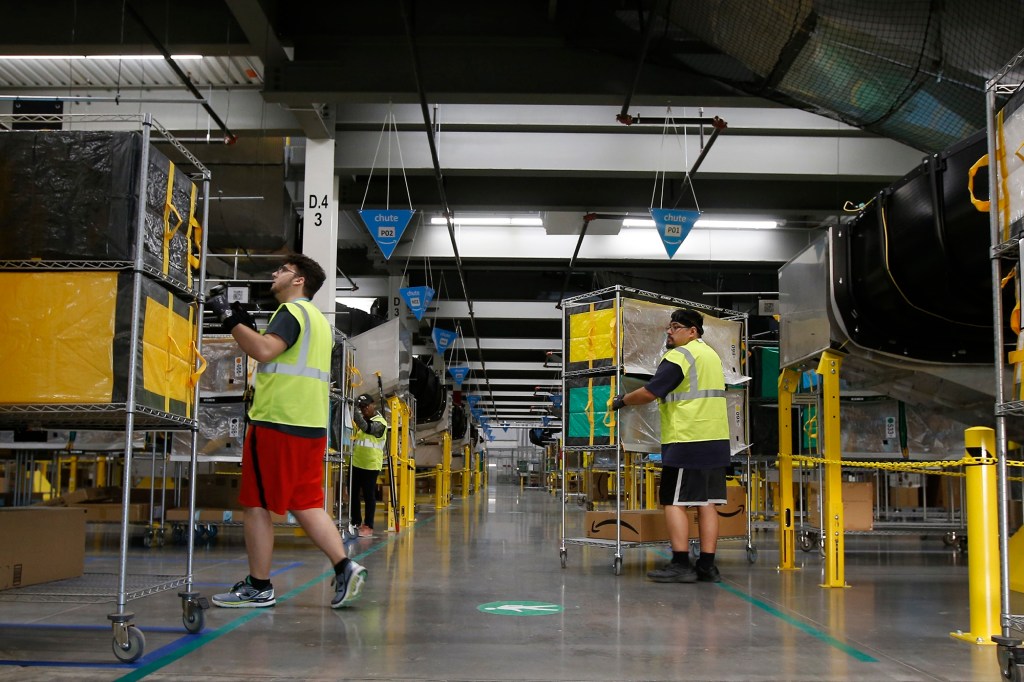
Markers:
(669, 345)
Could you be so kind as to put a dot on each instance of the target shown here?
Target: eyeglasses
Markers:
(675, 326)
(284, 268)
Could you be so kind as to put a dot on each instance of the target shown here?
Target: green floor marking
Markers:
(520, 608)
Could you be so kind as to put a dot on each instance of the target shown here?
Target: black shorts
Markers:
(692, 487)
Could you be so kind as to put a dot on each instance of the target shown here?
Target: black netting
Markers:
(914, 71)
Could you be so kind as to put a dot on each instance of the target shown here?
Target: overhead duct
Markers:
(912, 72)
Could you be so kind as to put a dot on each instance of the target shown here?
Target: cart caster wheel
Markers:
(751, 555)
(133, 649)
(194, 620)
(160, 539)
(581, 501)
(805, 542)
(961, 545)
(211, 531)
(617, 565)
(147, 539)
(949, 539)
(561, 557)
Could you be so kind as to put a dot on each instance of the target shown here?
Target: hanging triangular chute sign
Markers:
(417, 299)
(459, 374)
(386, 227)
(673, 226)
(443, 339)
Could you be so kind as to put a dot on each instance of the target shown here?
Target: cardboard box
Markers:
(858, 505)
(40, 544)
(110, 512)
(218, 490)
(646, 525)
(904, 497)
(732, 516)
(215, 515)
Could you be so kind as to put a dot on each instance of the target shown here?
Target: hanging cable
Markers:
(407, 21)
(229, 137)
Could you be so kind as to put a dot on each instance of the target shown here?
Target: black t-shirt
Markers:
(286, 327)
(705, 454)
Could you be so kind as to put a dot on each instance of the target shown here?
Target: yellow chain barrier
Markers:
(911, 467)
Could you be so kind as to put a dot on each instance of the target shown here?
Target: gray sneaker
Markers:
(673, 573)
(348, 585)
(245, 596)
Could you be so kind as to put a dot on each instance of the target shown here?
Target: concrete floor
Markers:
(423, 613)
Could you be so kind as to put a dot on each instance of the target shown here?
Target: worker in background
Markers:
(689, 386)
(368, 441)
(282, 460)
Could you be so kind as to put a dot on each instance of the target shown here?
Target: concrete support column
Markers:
(320, 218)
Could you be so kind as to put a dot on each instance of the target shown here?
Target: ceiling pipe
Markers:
(229, 137)
(407, 21)
(624, 118)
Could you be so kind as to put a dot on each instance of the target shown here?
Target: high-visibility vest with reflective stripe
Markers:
(293, 388)
(368, 450)
(696, 409)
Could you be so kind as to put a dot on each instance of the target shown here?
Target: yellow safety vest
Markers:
(367, 450)
(696, 409)
(293, 388)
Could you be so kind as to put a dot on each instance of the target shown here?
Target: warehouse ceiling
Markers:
(825, 103)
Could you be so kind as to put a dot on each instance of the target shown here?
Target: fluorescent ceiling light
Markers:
(738, 224)
(107, 57)
(492, 220)
(710, 222)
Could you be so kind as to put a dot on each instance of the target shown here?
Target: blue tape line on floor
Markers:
(190, 643)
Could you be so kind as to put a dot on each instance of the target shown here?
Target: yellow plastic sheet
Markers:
(167, 351)
(59, 330)
(592, 335)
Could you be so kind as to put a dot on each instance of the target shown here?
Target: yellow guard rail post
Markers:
(464, 477)
(983, 531)
(443, 482)
(788, 381)
(832, 495)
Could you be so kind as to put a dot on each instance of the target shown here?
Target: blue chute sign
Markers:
(673, 226)
(459, 374)
(443, 339)
(386, 227)
(417, 298)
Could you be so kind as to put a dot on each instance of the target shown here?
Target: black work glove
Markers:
(617, 402)
(229, 315)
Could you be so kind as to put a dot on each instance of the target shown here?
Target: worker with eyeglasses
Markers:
(282, 459)
(689, 386)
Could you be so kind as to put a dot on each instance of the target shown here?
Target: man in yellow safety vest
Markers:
(689, 386)
(368, 441)
(282, 460)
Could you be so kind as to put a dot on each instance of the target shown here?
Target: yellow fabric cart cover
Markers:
(58, 342)
(68, 334)
(592, 336)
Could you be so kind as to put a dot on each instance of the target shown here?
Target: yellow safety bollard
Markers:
(983, 532)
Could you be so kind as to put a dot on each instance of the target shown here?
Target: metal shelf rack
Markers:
(611, 298)
(128, 641)
(1006, 87)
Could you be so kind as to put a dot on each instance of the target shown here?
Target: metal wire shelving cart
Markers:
(1004, 137)
(610, 336)
(149, 234)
